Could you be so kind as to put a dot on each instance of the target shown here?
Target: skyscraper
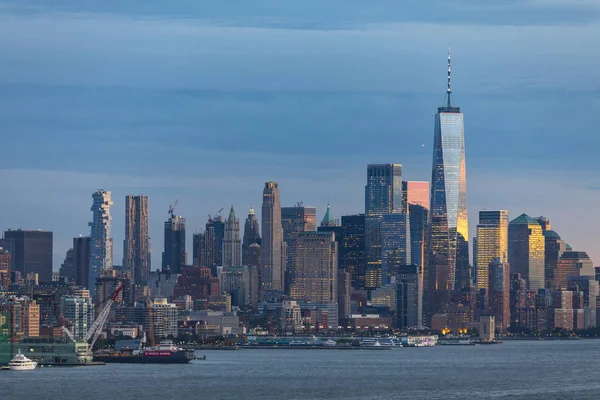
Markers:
(251, 234)
(81, 260)
(492, 242)
(136, 246)
(273, 250)
(554, 249)
(315, 270)
(293, 221)
(449, 236)
(31, 252)
(210, 250)
(499, 292)
(526, 250)
(572, 264)
(352, 248)
(383, 195)
(101, 244)
(174, 257)
(395, 244)
(232, 244)
(415, 198)
(328, 219)
(5, 263)
(80, 312)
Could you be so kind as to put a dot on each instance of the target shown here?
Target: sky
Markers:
(202, 102)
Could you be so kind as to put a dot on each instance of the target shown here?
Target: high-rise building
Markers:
(499, 293)
(67, 269)
(4, 268)
(273, 247)
(415, 197)
(232, 244)
(409, 296)
(383, 195)
(449, 231)
(526, 250)
(251, 234)
(395, 244)
(209, 254)
(80, 312)
(352, 248)
(492, 242)
(81, 260)
(572, 264)
(293, 221)
(253, 258)
(30, 318)
(328, 219)
(174, 257)
(101, 243)
(136, 246)
(31, 252)
(315, 270)
(554, 249)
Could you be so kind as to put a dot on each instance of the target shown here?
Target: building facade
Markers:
(273, 246)
(395, 244)
(136, 246)
(232, 244)
(383, 195)
(315, 270)
(492, 243)
(174, 257)
(526, 250)
(251, 234)
(352, 248)
(31, 252)
(295, 220)
(80, 312)
(101, 243)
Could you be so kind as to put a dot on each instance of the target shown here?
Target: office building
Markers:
(136, 246)
(174, 257)
(67, 268)
(81, 260)
(79, 311)
(572, 264)
(492, 243)
(554, 249)
(101, 243)
(526, 250)
(232, 244)
(328, 219)
(273, 246)
(449, 247)
(415, 193)
(31, 252)
(315, 270)
(251, 234)
(395, 244)
(293, 221)
(208, 253)
(30, 318)
(5, 263)
(498, 293)
(415, 197)
(352, 248)
(409, 296)
(383, 195)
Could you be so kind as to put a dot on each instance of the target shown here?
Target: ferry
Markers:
(456, 341)
(21, 363)
(164, 353)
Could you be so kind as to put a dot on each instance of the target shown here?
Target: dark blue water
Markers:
(515, 370)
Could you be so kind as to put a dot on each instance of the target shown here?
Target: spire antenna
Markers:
(449, 91)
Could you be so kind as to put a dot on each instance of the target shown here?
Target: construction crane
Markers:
(172, 208)
(217, 215)
(68, 333)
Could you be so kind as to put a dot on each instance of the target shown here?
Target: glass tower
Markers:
(449, 246)
(526, 250)
(492, 243)
(101, 244)
(383, 195)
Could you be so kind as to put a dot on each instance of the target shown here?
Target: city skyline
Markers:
(395, 102)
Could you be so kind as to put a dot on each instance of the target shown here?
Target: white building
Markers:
(80, 312)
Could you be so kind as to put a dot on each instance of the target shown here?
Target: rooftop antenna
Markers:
(449, 91)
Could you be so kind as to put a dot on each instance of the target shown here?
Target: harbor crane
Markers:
(98, 326)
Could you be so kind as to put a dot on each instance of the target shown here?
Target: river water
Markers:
(515, 370)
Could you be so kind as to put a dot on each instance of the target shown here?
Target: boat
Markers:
(21, 363)
(370, 343)
(456, 341)
(330, 343)
(164, 353)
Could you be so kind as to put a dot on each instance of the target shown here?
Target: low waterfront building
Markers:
(54, 351)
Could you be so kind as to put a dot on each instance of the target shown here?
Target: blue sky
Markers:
(205, 101)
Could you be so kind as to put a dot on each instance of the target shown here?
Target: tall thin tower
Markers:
(449, 247)
(136, 246)
(251, 235)
(101, 244)
(232, 244)
(273, 251)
